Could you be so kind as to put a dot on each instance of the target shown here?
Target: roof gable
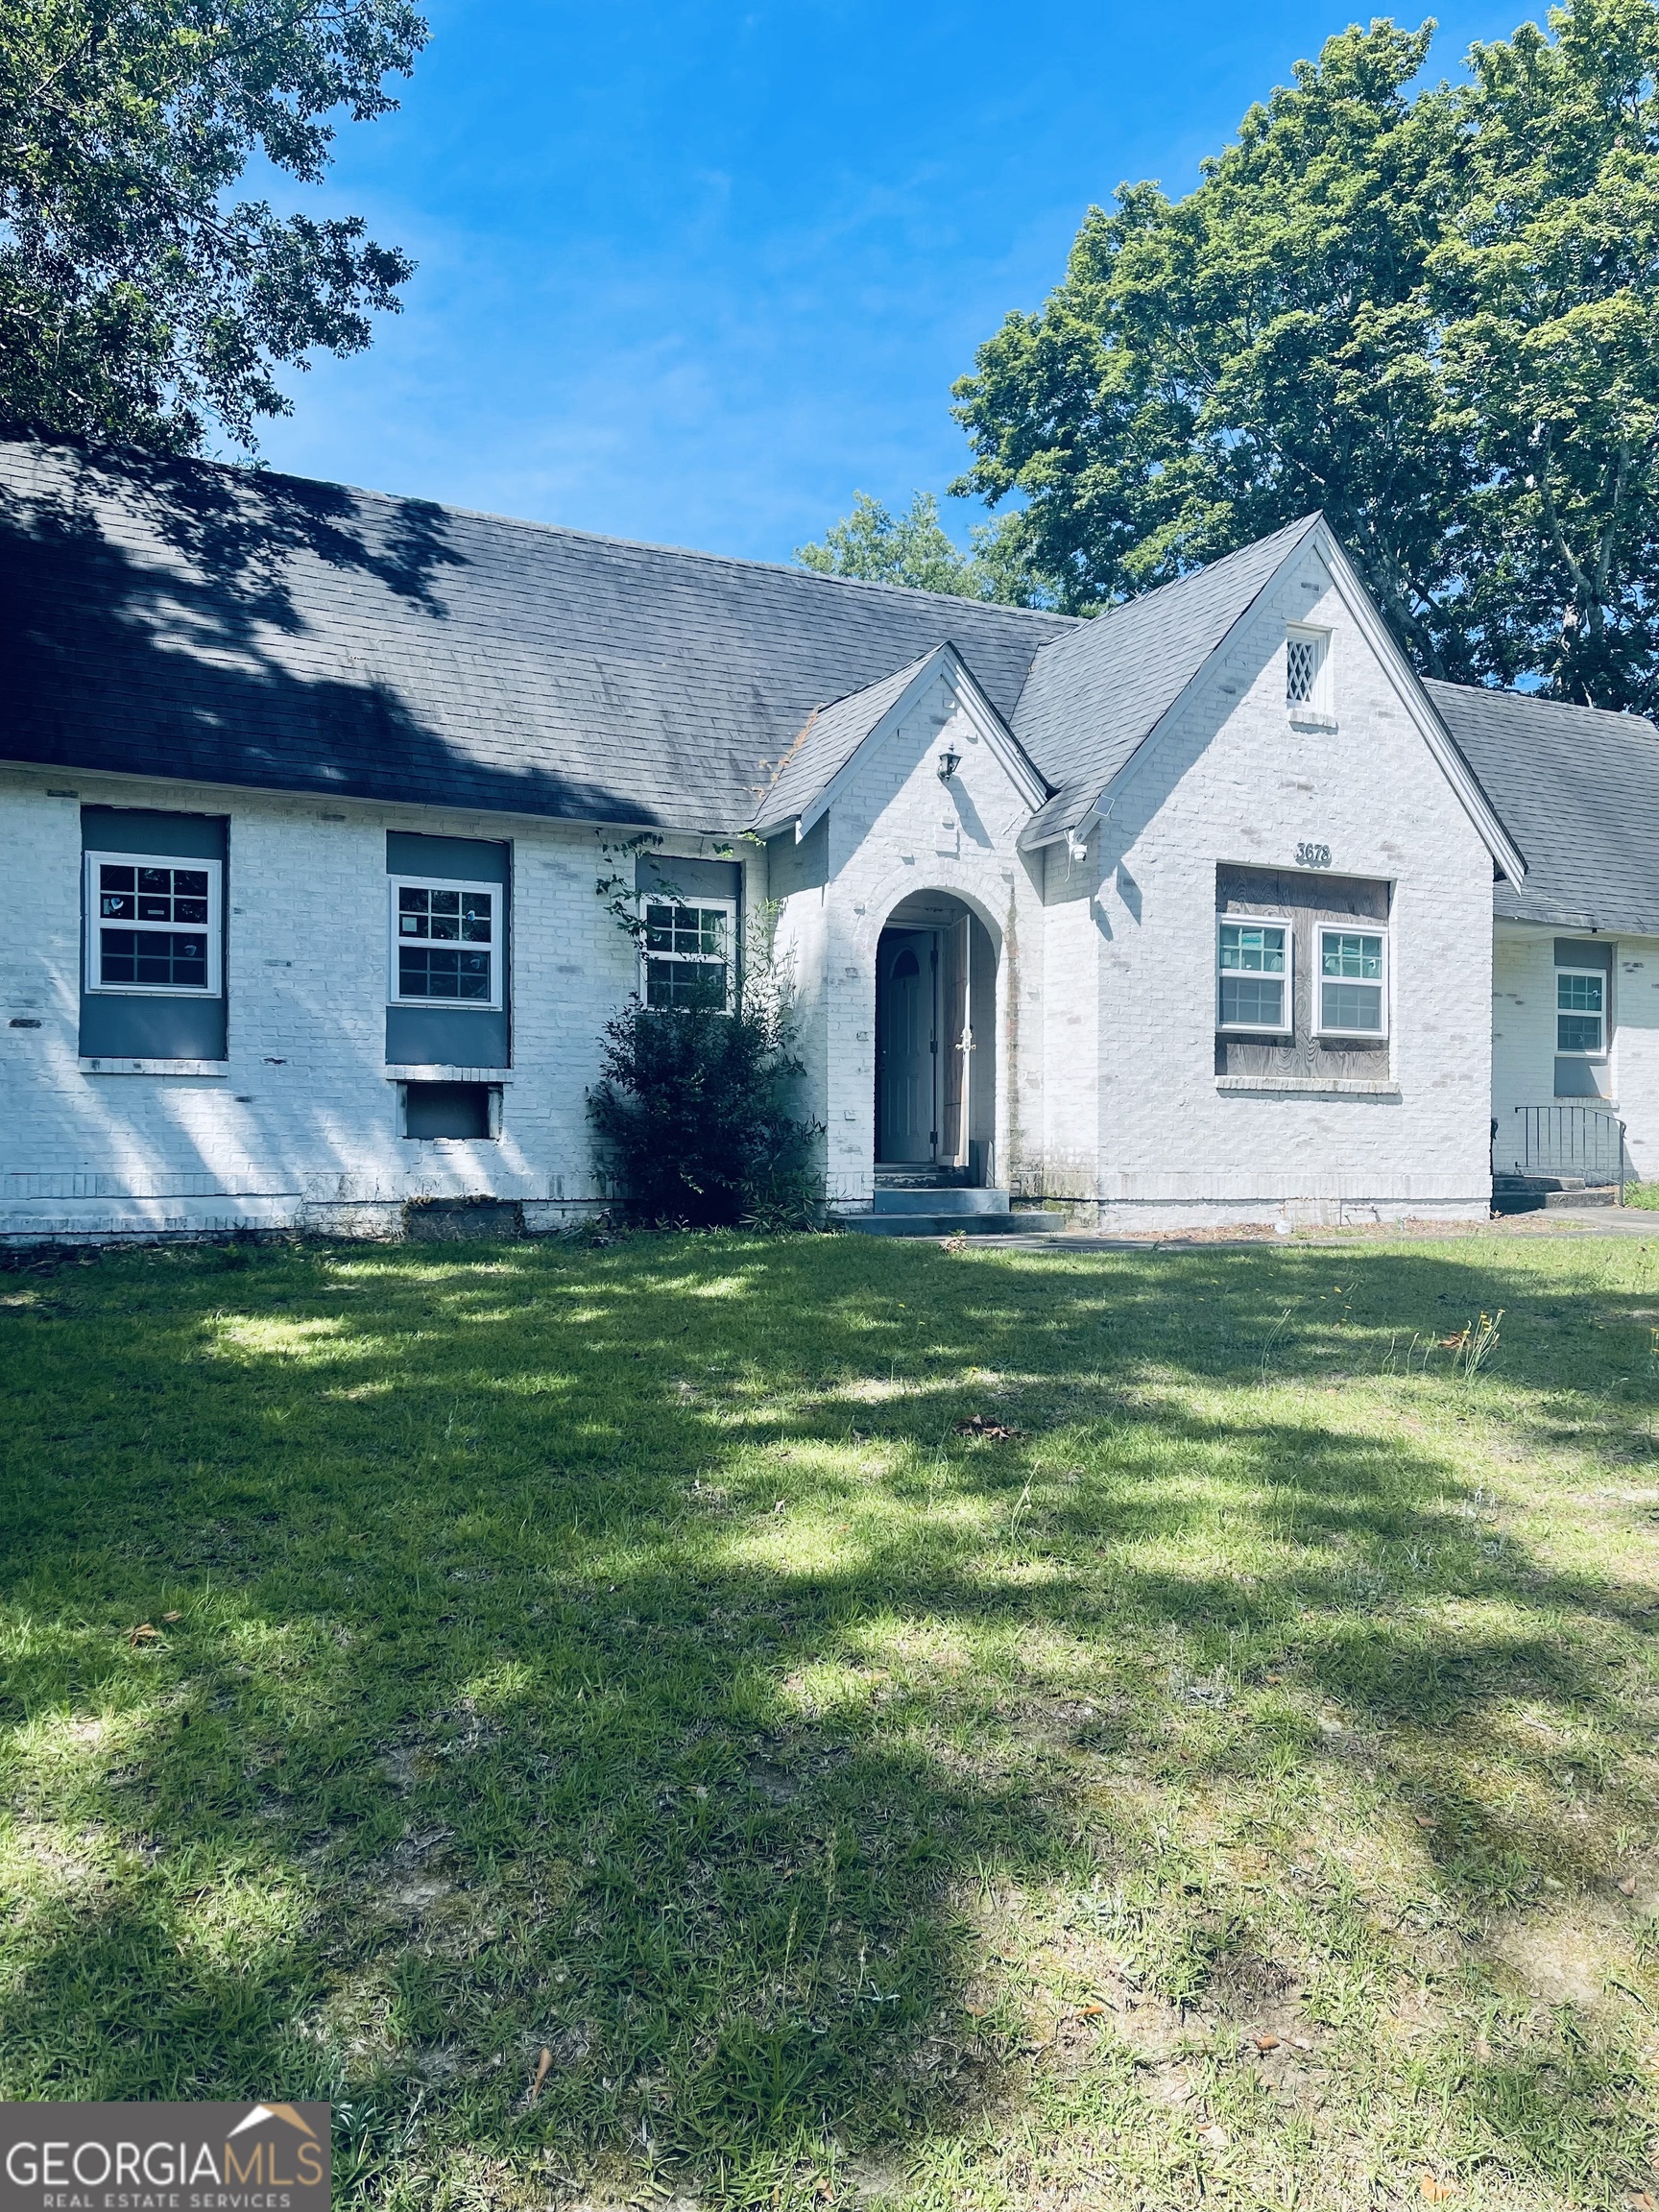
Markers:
(1135, 680)
(828, 753)
(1096, 695)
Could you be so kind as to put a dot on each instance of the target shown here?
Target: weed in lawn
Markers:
(1184, 1736)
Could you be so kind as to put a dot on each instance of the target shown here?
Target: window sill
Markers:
(401, 1072)
(109, 1065)
(1302, 718)
(1309, 1086)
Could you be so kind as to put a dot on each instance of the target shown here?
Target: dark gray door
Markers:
(905, 1130)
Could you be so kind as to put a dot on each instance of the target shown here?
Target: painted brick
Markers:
(301, 1126)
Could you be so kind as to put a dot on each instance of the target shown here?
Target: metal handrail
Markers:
(1583, 1141)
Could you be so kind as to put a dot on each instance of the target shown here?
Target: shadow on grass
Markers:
(628, 1654)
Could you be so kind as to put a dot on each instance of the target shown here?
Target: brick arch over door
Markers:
(935, 1038)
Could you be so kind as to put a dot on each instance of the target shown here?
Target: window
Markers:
(1307, 675)
(1353, 983)
(1580, 1010)
(687, 954)
(152, 925)
(1254, 962)
(464, 1110)
(445, 942)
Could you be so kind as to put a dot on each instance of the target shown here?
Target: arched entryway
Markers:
(936, 1041)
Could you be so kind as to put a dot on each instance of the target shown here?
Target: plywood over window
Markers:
(1337, 968)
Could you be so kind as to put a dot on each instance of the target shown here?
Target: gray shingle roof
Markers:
(1578, 789)
(828, 737)
(1094, 695)
(182, 619)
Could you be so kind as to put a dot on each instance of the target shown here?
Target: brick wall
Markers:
(1233, 782)
(899, 829)
(301, 1127)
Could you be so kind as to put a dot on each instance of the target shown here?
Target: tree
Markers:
(694, 1112)
(912, 548)
(138, 302)
(1547, 288)
(1429, 312)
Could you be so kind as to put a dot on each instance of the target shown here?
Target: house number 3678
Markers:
(1312, 856)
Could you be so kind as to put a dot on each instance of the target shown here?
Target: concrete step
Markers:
(1515, 1181)
(938, 1199)
(1539, 1195)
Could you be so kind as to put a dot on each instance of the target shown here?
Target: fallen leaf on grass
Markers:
(1091, 2011)
(541, 2065)
(1275, 1678)
(1482, 2049)
(1433, 2188)
(952, 1243)
(144, 1633)
(1215, 2138)
(1627, 1888)
(170, 1616)
(1266, 2041)
(1426, 1820)
(1643, 2200)
(997, 1431)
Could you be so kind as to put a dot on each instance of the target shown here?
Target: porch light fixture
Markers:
(949, 760)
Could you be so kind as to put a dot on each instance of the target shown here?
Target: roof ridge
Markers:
(1511, 695)
(256, 475)
(1094, 625)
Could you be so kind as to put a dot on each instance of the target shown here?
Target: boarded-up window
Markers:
(1332, 932)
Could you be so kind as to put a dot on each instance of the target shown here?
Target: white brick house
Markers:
(1182, 916)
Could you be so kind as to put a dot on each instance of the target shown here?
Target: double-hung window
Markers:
(1253, 961)
(152, 925)
(445, 942)
(685, 953)
(1352, 982)
(1581, 1011)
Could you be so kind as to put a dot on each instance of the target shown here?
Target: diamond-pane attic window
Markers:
(1307, 675)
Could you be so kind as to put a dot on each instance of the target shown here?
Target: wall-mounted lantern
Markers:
(949, 760)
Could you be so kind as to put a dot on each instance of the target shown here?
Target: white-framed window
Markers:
(1581, 1011)
(152, 925)
(1253, 974)
(1353, 981)
(446, 941)
(1307, 692)
(686, 951)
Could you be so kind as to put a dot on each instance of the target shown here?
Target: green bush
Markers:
(694, 1115)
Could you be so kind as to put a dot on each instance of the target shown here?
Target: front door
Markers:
(904, 1041)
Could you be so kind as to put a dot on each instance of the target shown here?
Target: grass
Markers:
(893, 1725)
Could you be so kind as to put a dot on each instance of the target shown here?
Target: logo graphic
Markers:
(164, 2157)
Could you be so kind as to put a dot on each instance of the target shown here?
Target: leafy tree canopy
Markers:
(912, 548)
(138, 301)
(1431, 312)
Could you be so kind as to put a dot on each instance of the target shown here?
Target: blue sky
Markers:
(696, 272)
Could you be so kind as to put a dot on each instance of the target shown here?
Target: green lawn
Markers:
(969, 1729)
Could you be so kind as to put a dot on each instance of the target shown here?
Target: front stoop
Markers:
(925, 1204)
(1549, 1193)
